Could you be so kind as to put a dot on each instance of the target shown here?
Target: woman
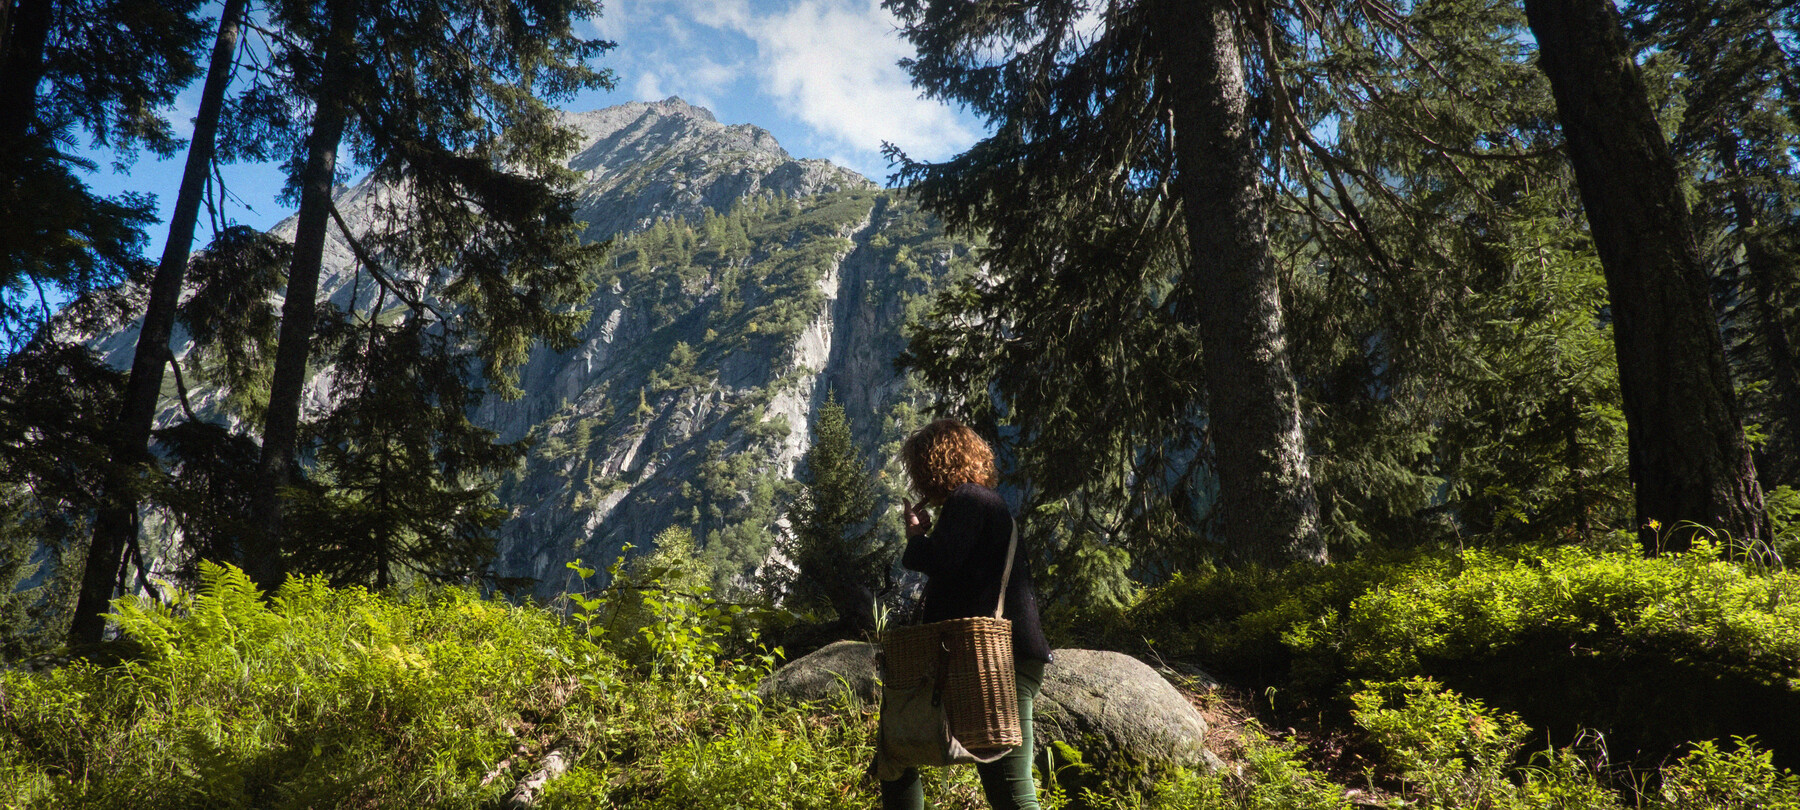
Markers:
(963, 557)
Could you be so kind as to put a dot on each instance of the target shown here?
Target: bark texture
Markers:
(115, 527)
(1270, 512)
(1688, 457)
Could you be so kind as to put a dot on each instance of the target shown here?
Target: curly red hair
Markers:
(944, 455)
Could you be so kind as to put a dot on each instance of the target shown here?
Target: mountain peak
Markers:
(679, 106)
(651, 160)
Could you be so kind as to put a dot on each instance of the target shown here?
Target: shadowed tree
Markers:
(1437, 304)
(402, 482)
(56, 401)
(1740, 129)
(1122, 202)
(1688, 457)
(445, 103)
(103, 68)
(116, 524)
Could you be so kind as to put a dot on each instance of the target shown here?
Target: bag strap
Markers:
(1005, 576)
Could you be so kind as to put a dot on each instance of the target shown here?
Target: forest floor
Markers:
(1237, 717)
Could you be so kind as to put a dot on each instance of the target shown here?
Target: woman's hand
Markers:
(918, 521)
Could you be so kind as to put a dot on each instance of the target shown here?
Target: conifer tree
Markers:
(101, 68)
(105, 69)
(838, 564)
(401, 485)
(1453, 378)
(1459, 385)
(116, 524)
(1124, 178)
(56, 401)
(445, 103)
(1740, 128)
(1689, 459)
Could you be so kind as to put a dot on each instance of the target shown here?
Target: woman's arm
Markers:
(948, 544)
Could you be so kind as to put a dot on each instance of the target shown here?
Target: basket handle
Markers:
(1006, 575)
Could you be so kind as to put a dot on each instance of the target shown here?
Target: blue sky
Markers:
(818, 74)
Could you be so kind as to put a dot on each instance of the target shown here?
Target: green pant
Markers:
(1007, 780)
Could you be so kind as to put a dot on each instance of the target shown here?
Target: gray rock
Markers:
(1117, 711)
(836, 669)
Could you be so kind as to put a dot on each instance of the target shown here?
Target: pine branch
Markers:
(362, 255)
(181, 388)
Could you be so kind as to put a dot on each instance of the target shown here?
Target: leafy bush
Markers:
(1653, 652)
(1274, 777)
(1441, 750)
(784, 760)
(1470, 604)
(1453, 752)
(1745, 776)
(659, 615)
(346, 698)
(316, 697)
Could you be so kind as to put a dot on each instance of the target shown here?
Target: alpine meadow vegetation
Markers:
(645, 689)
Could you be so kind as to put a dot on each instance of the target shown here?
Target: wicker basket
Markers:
(971, 661)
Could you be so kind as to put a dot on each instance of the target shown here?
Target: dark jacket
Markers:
(963, 558)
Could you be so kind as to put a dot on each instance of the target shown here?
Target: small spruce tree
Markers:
(839, 560)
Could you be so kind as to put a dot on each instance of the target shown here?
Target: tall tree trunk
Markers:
(1688, 457)
(115, 526)
(22, 66)
(265, 562)
(1270, 512)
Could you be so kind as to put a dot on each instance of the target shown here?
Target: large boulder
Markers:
(1120, 714)
(844, 669)
(1114, 710)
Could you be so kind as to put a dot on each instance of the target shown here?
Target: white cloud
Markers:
(832, 64)
(827, 65)
(721, 14)
(181, 114)
(647, 86)
(610, 25)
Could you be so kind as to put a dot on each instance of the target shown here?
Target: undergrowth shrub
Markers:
(323, 697)
(1467, 605)
(1448, 751)
(1653, 652)
(657, 611)
(1274, 775)
(788, 759)
(315, 697)
(1783, 505)
(1743, 776)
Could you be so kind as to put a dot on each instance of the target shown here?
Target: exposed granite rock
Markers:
(840, 668)
(646, 161)
(1116, 709)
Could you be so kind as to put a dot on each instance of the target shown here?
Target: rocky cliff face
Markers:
(743, 286)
